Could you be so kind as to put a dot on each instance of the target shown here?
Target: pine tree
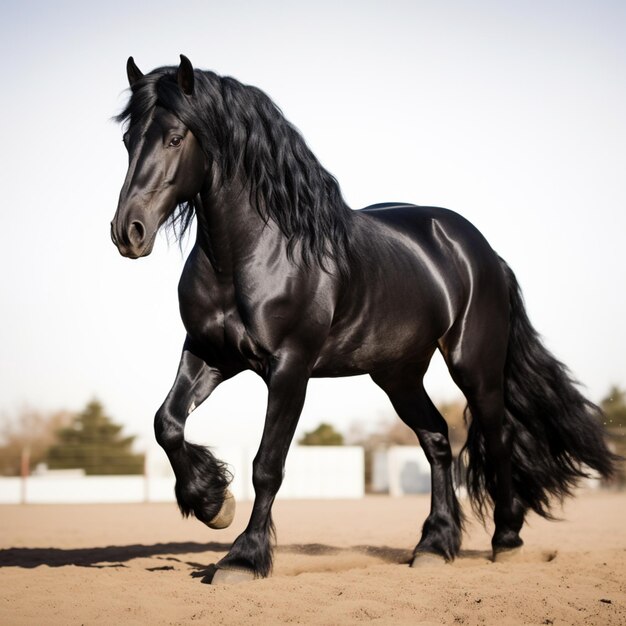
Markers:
(614, 407)
(323, 435)
(93, 442)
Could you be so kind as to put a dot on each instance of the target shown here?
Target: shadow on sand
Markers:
(110, 556)
(116, 556)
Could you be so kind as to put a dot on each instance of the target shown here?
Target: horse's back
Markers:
(418, 221)
(449, 240)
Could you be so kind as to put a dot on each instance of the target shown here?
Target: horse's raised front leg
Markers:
(201, 479)
(251, 554)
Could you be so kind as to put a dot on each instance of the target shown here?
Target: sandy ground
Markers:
(337, 562)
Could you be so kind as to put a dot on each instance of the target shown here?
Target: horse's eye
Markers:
(175, 141)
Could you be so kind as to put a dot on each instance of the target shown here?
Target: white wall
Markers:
(324, 472)
(401, 470)
(310, 472)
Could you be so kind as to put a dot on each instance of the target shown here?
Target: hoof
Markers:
(226, 514)
(232, 576)
(507, 555)
(427, 559)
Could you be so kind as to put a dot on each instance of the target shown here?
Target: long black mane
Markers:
(242, 131)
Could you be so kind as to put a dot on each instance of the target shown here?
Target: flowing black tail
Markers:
(555, 434)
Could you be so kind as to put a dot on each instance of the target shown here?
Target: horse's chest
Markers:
(212, 319)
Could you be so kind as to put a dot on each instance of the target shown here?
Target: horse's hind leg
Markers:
(476, 363)
(441, 533)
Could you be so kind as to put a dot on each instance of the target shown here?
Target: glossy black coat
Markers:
(286, 281)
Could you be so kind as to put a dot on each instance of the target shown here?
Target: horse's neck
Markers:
(232, 233)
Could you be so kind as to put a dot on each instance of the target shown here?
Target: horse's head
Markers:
(166, 167)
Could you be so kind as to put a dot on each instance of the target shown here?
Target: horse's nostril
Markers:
(136, 233)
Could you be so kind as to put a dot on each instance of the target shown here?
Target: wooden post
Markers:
(24, 472)
(146, 479)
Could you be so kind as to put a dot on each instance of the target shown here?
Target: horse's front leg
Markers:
(201, 479)
(251, 554)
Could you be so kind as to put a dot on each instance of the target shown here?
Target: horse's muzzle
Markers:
(131, 241)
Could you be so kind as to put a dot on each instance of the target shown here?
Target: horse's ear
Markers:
(185, 75)
(132, 71)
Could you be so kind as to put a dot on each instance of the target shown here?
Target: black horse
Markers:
(284, 279)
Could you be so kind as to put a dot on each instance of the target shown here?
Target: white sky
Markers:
(511, 113)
